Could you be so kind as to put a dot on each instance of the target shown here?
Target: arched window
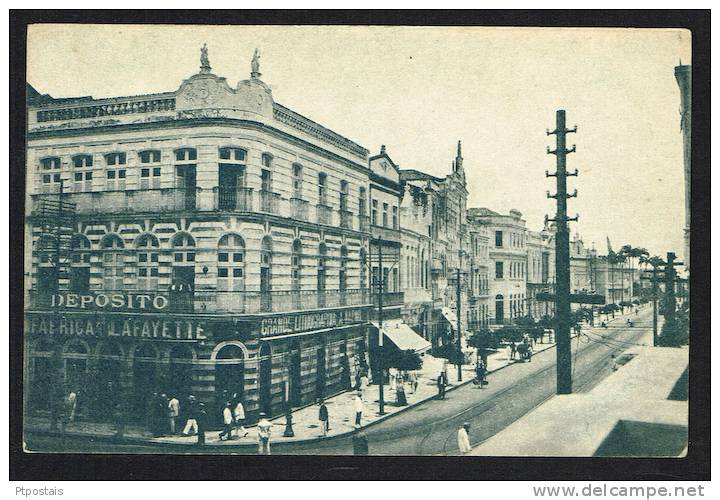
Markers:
(266, 273)
(183, 249)
(499, 309)
(297, 181)
(185, 154)
(113, 262)
(230, 373)
(147, 248)
(79, 263)
(231, 263)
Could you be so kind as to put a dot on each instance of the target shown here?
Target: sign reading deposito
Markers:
(112, 302)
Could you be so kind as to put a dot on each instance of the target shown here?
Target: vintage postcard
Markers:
(357, 240)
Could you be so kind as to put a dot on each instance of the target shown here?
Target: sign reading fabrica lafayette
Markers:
(117, 326)
(110, 302)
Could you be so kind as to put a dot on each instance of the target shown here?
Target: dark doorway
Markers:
(499, 309)
(294, 390)
(179, 382)
(42, 380)
(321, 372)
(230, 373)
(144, 380)
(265, 378)
(187, 184)
(345, 383)
(231, 181)
(184, 288)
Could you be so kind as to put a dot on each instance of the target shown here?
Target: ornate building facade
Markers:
(204, 241)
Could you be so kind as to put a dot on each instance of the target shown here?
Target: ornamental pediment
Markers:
(251, 99)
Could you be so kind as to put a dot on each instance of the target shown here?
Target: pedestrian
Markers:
(160, 407)
(173, 408)
(202, 420)
(513, 350)
(393, 378)
(227, 418)
(323, 417)
(400, 392)
(412, 379)
(364, 384)
(464, 439)
(480, 372)
(70, 407)
(263, 429)
(508, 350)
(441, 383)
(239, 414)
(192, 413)
(358, 405)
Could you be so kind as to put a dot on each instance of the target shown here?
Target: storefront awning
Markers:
(403, 336)
(450, 316)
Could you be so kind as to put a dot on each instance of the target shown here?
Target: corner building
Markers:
(205, 241)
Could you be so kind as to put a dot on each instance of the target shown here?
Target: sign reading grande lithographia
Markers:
(145, 302)
(89, 325)
(292, 323)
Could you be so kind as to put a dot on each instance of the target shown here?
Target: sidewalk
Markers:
(306, 425)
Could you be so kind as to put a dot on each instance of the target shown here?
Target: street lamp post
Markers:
(380, 280)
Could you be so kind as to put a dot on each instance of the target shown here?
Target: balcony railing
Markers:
(346, 219)
(324, 214)
(270, 202)
(233, 199)
(219, 198)
(299, 209)
(390, 299)
(140, 200)
(239, 302)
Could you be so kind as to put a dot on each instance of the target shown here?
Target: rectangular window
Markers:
(297, 181)
(374, 212)
(385, 215)
(83, 161)
(395, 217)
(322, 189)
(499, 270)
(498, 239)
(186, 155)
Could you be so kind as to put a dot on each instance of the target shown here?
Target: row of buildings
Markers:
(211, 241)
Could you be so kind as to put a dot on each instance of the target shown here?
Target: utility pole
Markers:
(562, 254)
(654, 281)
(381, 358)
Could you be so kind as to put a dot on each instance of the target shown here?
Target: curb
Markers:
(163, 444)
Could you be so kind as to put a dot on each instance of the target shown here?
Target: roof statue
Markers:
(204, 61)
(255, 65)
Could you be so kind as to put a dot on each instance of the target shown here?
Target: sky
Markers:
(419, 90)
